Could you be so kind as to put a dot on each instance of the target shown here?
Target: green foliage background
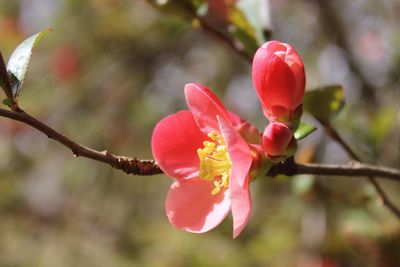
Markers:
(129, 66)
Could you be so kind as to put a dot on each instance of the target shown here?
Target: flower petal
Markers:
(276, 138)
(239, 151)
(205, 107)
(241, 158)
(240, 206)
(191, 207)
(247, 130)
(274, 81)
(289, 55)
(174, 144)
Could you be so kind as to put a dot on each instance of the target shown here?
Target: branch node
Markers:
(137, 166)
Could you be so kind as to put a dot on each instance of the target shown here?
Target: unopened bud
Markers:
(276, 139)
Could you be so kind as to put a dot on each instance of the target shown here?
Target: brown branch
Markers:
(290, 168)
(331, 131)
(149, 167)
(385, 199)
(128, 165)
(5, 81)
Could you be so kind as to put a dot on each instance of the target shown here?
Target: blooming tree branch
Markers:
(330, 19)
(211, 153)
(135, 166)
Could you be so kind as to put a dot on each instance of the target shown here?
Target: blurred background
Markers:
(111, 69)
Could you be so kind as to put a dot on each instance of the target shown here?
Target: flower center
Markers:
(215, 164)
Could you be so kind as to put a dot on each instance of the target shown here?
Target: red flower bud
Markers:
(276, 139)
(279, 79)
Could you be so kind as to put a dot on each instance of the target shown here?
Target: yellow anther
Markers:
(215, 191)
(215, 164)
(209, 144)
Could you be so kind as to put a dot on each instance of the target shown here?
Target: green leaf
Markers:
(304, 130)
(8, 102)
(258, 16)
(243, 22)
(251, 21)
(243, 30)
(324, 103)
(4, 80)
(19, 61)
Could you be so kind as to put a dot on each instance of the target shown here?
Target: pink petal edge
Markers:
(205, 107)
(191, 207)
(240, 155)
(240, 206)
(174, 144)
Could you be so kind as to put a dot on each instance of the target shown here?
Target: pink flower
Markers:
(279, 79)
(276, 139)
(203, 151)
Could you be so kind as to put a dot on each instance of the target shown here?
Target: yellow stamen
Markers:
(215, 164)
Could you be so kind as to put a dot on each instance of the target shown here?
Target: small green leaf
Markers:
(8, 102)
(19, 61)
(324, 103)
(304, 130)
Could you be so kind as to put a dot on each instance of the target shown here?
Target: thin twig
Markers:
(331, 131)
(5, 81)
(226, 40)
(149, 167)
(385, 200)
(128, 165)
(351, 170)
